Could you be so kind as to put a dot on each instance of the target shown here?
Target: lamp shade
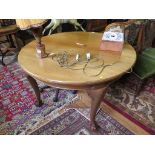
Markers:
(25, 24)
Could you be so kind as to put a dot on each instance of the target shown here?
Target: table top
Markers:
(50, 72)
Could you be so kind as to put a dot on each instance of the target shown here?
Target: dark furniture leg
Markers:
(13, 47)
(36, 90)
(55, 99)
(2, 55)
(44, 87)
(11, 40)
(139, 87)
(74, 91)
(18, 46)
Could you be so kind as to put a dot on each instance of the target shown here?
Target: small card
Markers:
(113, 36)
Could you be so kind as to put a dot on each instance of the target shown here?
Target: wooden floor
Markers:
(84, 102)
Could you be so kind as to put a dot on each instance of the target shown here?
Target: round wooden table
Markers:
(49, 71)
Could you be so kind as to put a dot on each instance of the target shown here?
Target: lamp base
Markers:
(40, 51)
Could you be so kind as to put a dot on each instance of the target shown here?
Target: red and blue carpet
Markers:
(73, 122)
(141, 110)
(18, 114)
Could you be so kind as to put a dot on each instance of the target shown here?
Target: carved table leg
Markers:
(36, 90)
(96, 97)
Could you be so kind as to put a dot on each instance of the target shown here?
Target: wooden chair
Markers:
(4, 51)
(145, 64)
(133, 34)
(8, 32)
(140, 34)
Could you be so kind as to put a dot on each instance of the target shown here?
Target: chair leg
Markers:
(3, 55)
(139, 88)
(44, 87)
(11, 40)
(55, 99)
(74, 91)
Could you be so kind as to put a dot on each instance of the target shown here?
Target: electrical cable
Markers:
(62, 60)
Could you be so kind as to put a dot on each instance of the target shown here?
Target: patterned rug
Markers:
(18, 114)
(73, 122)
(141, 110)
